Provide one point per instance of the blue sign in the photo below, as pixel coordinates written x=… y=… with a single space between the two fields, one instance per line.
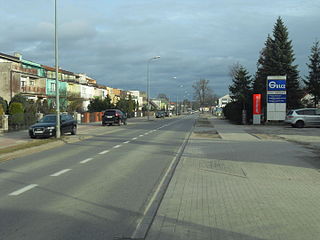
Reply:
x=276 y=85
x=277 y=98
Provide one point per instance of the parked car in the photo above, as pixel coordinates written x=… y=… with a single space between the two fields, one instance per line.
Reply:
x=168 y=114
x=46 y=126
x=303 y=117
x=114 y=116
x=160 y=114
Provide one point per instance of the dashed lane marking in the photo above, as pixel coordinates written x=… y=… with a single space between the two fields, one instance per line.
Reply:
x=126 y=142
x=117 y=146
x=86 y=160
x=60 y=172
x=104 y=152
x=22 y=190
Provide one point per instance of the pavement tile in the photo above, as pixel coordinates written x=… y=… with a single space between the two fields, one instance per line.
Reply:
x=211 y=197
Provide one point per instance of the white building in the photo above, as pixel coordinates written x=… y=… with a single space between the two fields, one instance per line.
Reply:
x=87 y=93
x=136 y=96
x=223 y=101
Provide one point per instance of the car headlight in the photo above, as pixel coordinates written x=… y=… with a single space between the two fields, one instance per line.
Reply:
x=50 y=128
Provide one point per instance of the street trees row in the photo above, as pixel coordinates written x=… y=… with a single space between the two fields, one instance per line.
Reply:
x=128 y=106
x=276 y=59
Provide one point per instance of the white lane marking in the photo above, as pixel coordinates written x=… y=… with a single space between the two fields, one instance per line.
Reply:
x=146 y=133
x=117 y=146
x=126 y=142
x=141 y=135
x=134 y=138
x=104 y=152
x=22 y=190
x=86 y=160
x=60 y=172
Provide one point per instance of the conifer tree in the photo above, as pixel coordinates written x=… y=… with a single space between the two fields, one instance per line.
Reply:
x=277 y=58
x=241 y=87
x=312 y=81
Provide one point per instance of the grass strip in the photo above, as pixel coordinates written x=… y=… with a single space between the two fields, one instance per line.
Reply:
x=26 y=145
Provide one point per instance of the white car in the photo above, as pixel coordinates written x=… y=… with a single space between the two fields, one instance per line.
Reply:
x=303 y=117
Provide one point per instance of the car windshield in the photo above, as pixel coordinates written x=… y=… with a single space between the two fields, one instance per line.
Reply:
x=48 y=119
x=109 y=113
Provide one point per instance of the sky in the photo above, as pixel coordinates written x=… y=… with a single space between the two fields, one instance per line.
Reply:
x=112 y=41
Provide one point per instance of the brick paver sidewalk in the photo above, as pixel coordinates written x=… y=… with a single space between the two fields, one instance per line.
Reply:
x=228 y=189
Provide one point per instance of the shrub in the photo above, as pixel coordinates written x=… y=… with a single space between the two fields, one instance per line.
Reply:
x=4 y=105
x=1 y=110
x=16 y=113
x=233 y=112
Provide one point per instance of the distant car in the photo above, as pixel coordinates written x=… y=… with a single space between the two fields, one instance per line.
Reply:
x=46 y=126
x=160 y=114
x=168 y=114
x=114 y=116
x=303 y=117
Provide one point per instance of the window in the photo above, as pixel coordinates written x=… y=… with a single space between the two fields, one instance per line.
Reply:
x=53 y=87
x=23 y=81
x=31 y=82
x=309 y=112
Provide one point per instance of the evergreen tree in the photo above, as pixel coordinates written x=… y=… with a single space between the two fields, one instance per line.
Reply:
x=241 y=88
x=277 y=58
x=313 y=79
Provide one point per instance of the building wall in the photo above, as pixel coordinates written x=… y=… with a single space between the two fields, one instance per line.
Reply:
x=73 y=90
x=5 y=86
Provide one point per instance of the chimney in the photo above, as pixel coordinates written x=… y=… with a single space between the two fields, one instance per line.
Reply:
x=18 y=55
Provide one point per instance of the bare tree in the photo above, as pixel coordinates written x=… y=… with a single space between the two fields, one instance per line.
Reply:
x=203 y=93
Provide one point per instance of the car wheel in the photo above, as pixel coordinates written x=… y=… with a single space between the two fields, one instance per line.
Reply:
x=103 y=124
x=32 y=136
x=74 y=130
x=299 y=124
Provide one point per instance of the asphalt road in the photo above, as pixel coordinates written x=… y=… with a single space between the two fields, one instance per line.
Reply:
x=93 y=189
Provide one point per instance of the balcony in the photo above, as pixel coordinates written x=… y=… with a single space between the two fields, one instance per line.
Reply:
x=33 y=90
x=27 y=70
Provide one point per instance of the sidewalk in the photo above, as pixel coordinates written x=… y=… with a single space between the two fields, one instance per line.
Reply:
x=221 y=190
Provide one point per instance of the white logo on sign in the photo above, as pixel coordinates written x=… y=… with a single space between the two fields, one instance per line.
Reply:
x=273 y=84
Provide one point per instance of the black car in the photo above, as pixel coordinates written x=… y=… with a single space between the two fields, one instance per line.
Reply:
x=46 y=126
x=114 y=116
x=160 y=114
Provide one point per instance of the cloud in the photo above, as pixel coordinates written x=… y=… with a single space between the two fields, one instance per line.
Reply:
x=112 y=40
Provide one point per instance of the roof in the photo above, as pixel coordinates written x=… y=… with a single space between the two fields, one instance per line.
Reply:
x=52 y=69
x=9 y=57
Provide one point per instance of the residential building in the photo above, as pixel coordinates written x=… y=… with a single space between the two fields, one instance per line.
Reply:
x=63 y=76
x=137 y=97
x=223 y=101
x=20 y=76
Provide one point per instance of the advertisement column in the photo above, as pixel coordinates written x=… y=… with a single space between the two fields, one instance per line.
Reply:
x=276 y=98
x=256 y=109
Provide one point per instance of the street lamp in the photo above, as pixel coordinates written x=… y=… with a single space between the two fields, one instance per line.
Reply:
x=148 y=84
x=58 y=134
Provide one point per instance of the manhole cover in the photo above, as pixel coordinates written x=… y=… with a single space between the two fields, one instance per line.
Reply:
x=223 y=167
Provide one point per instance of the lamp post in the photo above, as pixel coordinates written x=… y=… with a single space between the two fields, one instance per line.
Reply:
x=57 y=71
x=148 y=84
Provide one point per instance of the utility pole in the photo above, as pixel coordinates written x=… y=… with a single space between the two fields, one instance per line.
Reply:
x=58 y=134
x=148 y=85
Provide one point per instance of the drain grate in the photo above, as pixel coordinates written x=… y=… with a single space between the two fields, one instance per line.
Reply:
x=223 y=167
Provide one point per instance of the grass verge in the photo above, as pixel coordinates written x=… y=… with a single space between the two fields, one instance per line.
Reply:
x=26 y=145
